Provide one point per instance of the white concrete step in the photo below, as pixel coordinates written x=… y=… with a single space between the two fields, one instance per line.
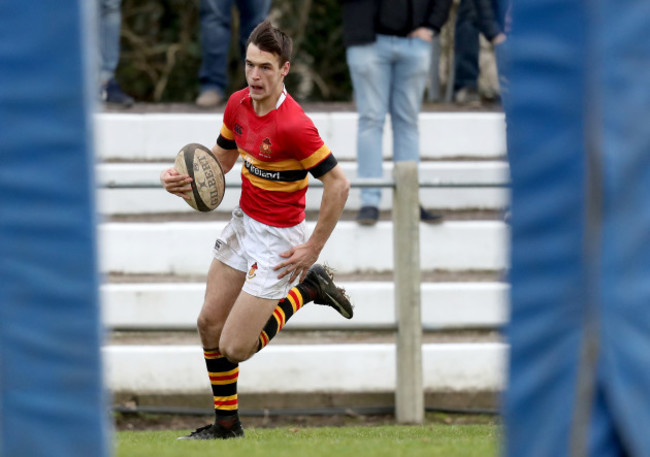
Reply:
x=175 y=306
x=185 y=247
x=121 y=136
x=150 y=201
x=333 y=368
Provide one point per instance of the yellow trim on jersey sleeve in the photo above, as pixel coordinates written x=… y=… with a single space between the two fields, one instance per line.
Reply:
x=226 y=132
x=317 y=157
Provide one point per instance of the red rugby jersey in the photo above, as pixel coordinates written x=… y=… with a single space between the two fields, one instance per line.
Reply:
x=278 y=150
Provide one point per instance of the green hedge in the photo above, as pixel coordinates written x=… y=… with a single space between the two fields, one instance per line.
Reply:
x=161 y=54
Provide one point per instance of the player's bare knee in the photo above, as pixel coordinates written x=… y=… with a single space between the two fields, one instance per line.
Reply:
x=235 y=352
x=207 y=325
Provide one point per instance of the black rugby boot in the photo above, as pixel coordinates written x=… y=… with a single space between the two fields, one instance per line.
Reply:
x=321 y=280
x=222 y=429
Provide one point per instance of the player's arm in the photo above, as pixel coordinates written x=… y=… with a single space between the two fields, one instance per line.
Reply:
x=336 y=188
x=226 y=153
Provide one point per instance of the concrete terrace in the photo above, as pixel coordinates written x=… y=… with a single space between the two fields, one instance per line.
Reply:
x=154 y=252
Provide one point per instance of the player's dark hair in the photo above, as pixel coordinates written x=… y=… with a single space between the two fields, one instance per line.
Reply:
x=271 y=39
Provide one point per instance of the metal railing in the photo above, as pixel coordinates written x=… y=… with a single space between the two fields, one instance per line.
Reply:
x=355 y=183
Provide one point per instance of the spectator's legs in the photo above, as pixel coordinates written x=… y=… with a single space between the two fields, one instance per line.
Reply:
x=110 y=21
x=410 y=70
x=251 y=13
x=215 y=41
x=466 y=49
x=370 y=72
x=412 y=59
x=501 y=56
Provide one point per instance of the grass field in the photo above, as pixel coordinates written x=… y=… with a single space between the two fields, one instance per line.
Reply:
x=435 y=440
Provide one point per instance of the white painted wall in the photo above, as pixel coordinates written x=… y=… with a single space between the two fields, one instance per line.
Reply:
x=161 y=136
x=444 y=305
x=340 y=368
x=185 y=247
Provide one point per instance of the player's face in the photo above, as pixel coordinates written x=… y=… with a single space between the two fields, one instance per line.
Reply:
x=264 y=75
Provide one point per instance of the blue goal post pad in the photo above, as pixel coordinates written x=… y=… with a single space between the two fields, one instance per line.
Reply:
x=579 y=152
x=52 y=400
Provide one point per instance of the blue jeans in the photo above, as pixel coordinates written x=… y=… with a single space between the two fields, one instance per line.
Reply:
x=110 y=21
x=215 y=36
x=389 y=76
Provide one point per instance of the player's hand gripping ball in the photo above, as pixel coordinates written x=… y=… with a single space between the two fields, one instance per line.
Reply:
x=209 y=184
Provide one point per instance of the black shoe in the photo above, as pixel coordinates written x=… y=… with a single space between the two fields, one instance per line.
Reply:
x=368 y=215
x=429 y=218
x=216 y=431
x=112 y=93
x=320 y=279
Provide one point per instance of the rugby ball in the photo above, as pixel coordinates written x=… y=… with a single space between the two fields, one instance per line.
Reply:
x=209 y=184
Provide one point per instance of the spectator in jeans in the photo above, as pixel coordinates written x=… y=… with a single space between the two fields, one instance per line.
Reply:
x=110 y=22
x=389 y=53
x=215 y=40
x=474 y=16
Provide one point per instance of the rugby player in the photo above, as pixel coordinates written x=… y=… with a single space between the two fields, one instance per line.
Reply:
x=264 y=268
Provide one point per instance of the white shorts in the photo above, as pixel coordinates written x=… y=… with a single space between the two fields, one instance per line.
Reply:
x=254 y=248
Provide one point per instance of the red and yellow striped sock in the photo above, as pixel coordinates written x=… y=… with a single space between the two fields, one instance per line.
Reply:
x=286 y=308
x=223 y=378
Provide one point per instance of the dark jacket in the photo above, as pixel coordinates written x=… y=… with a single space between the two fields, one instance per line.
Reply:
x=489 y=19
x=364 y=19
